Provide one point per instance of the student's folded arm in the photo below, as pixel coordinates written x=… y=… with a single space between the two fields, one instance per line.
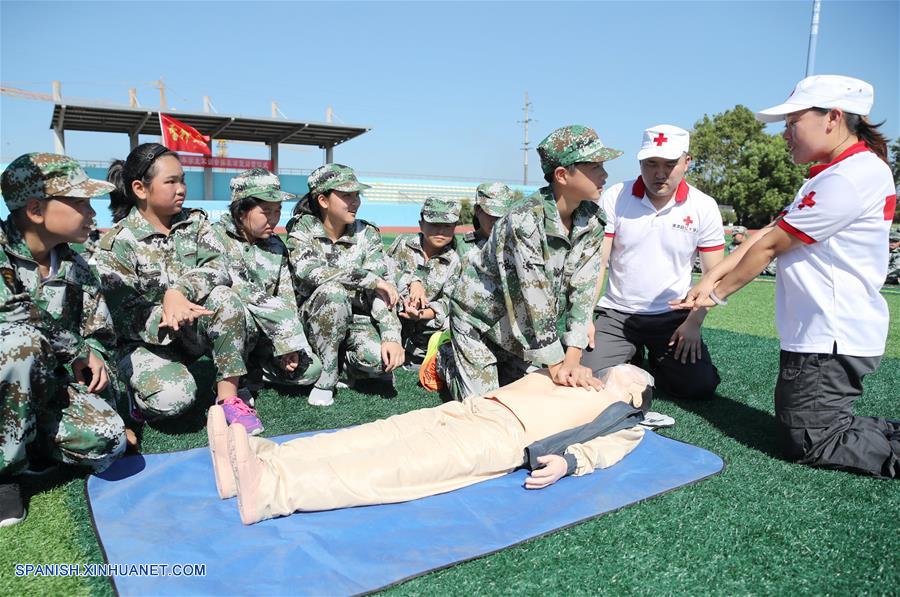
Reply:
x=441 y=304
x=308 y=264
x=211 y=270
x=386 y=321
x=524 y=283
x=16 y=306
x=97 y=324
x=134 y=316
x=603 y=451
x=582 y=292
x=374 y=265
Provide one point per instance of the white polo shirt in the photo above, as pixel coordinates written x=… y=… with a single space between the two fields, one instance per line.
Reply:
x=653 y=250
x=826 y=290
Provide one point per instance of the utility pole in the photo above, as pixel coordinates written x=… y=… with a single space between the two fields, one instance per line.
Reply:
x=162 y=93
x=132 y=98
x=525 y=146
x=813 y=35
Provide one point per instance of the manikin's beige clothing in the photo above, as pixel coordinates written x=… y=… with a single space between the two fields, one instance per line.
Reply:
x=435 y=450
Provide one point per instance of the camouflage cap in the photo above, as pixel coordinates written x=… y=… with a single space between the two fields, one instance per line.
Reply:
x=334 y=177
x=738 y=230
x=440 y=211
x=47 y=175
x=573 y=145
x=895 y=236
x=260 y=184
x=494 y=198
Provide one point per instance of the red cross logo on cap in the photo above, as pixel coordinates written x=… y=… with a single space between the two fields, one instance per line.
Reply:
x=688 y=221
x=807 y=201
x=660 y=139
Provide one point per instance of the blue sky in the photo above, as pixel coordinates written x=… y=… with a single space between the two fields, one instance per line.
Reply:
x=440 y=83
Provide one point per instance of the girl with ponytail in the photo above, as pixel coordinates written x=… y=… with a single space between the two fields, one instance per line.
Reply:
x=168 y=290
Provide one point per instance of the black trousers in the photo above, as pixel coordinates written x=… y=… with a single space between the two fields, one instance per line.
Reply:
x=619 y=336
x=814 y=399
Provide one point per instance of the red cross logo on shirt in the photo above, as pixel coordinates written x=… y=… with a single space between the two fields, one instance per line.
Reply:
x=660 y=139
x=688 y=221
x=807 y=201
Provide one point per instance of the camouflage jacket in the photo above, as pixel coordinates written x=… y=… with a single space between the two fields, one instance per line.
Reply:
x=470 y=240
x=355 y=260
x=438 y=275
x=138 y=263
x=530 y=289
x=68 y=308
x=893 y=270
x=261 y=276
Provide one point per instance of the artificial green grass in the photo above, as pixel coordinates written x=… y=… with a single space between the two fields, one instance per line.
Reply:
x=764 y=526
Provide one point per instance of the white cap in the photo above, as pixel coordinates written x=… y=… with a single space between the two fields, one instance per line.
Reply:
x=824 y=91
x=664 y=141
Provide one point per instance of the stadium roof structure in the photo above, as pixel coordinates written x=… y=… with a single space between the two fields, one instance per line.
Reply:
x=144 y=121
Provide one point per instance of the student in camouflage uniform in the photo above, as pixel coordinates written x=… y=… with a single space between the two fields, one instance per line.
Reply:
x=54 y=327
x=258 y=263
x=894 y=263
x=427 y=268
x=738 y=236
x=528 y=295
x=340 y=276
x=169 y=291
x=492 y=201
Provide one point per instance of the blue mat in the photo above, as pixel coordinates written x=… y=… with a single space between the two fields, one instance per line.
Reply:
x=163 y=509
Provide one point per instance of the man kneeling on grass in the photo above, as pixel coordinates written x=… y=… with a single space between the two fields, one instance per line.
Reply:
x=435 y=450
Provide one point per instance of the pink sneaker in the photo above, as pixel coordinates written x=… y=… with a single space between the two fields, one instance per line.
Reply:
x=237 y=411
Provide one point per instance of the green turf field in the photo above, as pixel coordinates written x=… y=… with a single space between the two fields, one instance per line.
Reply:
x=761 y=527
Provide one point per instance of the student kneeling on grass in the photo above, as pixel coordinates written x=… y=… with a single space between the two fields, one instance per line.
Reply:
x=340 y=276
x=54 y=327
x=536 y=274
x=427 y=267
x=258 y=262
x=435 y=450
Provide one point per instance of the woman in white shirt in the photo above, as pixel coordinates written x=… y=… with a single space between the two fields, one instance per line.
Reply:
x=829 y=241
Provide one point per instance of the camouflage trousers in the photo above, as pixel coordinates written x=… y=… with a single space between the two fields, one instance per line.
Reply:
x=158 y=375
x=41 y=403
x=344 y=340
x=472 y=365
x=415 y=336
x=263 y=365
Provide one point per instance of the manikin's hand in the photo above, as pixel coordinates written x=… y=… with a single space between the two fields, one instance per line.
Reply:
x=554 y=469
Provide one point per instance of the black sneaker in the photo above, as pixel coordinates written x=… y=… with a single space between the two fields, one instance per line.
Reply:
x=12 y=510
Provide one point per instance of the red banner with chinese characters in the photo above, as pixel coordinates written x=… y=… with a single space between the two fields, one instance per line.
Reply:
x=200 y=161
x=178 y=136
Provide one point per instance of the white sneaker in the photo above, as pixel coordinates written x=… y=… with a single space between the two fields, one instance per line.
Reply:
x=321 y=397
x=654 y=420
